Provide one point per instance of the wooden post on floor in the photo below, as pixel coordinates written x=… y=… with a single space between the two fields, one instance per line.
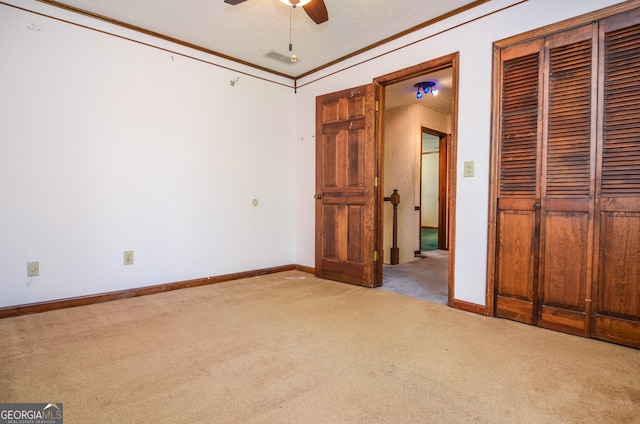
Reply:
x=395 y=251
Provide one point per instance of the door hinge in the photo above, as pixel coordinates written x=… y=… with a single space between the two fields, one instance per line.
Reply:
x=375 y=256
x=375 y=181
x=377 y=105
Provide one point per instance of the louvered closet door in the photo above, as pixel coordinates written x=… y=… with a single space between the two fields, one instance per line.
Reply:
x=617 y=285
x=568 y=215
x=547 y=164
x=567 y=180
x=519 y=194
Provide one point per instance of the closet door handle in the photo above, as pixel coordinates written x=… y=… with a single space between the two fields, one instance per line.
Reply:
x=536 y=206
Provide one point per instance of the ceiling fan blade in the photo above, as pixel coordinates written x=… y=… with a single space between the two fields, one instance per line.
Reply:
x=234 y=2
x=317 y=11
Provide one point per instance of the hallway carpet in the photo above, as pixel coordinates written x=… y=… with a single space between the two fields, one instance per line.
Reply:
x=428 y=239
x=291 y=348
x=425 y=278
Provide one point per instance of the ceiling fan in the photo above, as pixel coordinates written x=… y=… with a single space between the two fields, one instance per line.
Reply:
x=316 y=9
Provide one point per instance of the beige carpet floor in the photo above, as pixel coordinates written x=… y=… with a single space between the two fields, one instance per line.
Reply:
x=290 y=348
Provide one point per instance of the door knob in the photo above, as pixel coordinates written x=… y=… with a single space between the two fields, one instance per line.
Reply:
x=317 y=196
x=536 y=206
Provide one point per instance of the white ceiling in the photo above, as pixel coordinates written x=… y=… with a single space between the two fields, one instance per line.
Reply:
x=250 y=30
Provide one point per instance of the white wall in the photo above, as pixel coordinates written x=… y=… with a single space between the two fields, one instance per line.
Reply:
x=430 y=193
x=473 y=40
x=107 y=145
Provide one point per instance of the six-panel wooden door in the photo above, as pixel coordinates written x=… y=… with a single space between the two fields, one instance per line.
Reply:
x=345 y=189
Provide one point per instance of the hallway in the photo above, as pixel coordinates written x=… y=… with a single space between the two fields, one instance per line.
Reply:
x=425 y=278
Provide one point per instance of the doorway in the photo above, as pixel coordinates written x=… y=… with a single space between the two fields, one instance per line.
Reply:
x=404 y=118
x=434 y=213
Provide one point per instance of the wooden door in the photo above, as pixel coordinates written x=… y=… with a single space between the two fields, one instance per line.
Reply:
x=346 y=187
x=545 y=208
x=518 y=208
x=616 y=290
x=443 y=193
x=567 y=179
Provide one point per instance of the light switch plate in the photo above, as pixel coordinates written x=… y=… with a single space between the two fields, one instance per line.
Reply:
x=128 y=257
x=469 y=170
x=33 y=269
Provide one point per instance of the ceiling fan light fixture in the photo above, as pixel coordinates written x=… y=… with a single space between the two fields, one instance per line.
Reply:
x=296 y=3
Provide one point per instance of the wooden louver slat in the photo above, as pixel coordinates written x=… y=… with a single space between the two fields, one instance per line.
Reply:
x=569 y=130
x=518 y=150
x=621 y=120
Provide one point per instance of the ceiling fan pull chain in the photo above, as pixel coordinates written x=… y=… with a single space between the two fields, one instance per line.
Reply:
x=292 y=14
x=290 y=36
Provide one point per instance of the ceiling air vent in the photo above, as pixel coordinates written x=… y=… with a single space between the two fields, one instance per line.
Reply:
x=279 y=57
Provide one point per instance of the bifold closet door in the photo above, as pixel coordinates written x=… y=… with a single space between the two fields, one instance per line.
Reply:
x=518 y=208
x=617 y=285
x=568 y=212
x=547 y=166
x=567 y=179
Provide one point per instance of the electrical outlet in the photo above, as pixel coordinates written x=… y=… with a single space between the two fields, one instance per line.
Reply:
x=128 y=257
x=33 y=269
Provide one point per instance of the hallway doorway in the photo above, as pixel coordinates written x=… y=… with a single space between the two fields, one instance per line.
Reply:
x=404 y=118
x=434 y=183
